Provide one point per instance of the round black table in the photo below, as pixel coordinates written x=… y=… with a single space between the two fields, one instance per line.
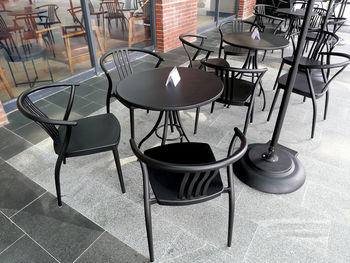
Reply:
x=147 y=90
x=267 y=42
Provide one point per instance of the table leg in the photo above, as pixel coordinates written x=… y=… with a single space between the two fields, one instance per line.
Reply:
x=179 y=127
x=132 y=123
x=155 y=127
x=165 y=130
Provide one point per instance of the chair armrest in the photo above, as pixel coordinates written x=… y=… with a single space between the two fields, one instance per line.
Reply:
x=73 y=34
x=271 y=17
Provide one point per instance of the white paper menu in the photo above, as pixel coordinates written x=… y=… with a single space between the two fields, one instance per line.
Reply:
x=173 y=78
x=255 y=34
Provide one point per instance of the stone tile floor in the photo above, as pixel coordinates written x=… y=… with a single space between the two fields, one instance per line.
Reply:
x=99 y=224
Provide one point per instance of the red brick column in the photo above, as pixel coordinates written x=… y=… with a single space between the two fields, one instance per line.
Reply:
x=246 y=8
x=3 y=116
x=174 y=17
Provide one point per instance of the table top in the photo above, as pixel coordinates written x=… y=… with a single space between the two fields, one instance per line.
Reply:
x=292 y=12
x=147 y=89
x=267 y=41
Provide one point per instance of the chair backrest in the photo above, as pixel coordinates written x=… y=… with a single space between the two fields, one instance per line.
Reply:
x=264 y=9
x=234 y=83
x=119 y=60
x=27 y=107
x=3 y=25
x=193 y=49
x=197 y=178
x=235 y=25
x=113 y=8
x=331 y=69
x=77 y=16
x=324 y=42
x=318 y=19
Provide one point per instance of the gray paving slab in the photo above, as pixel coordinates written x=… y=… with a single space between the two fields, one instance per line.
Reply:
x=25 y=250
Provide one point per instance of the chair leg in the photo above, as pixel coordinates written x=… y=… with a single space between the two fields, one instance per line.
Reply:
x=263 y=56
x=326 y=106
x=273 y=103
x=314 y=106
x=57 y=179
x=119 y=169
x=196 y=120
x=304 y=99
x=231 y=213
x=212 y=107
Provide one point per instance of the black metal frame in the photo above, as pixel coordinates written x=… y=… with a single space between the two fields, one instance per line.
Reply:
x=191 y=192
x=52 y=128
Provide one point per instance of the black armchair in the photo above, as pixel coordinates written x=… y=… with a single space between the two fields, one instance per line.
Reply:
x=185 y=174
x=236 y=25
x=119 y=60
x=237 y=91
x=85 y=136
x=193 y=50
x=313 y=81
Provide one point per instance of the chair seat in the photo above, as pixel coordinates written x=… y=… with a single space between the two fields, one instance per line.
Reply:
x=166 y=184
x=301 y=85
x=239 y=95
x=304 y=61
x=216 y=61
x=236 y=51
x=90 y=135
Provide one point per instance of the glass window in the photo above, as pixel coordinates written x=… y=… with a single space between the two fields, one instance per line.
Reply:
x=124 y=23
x=227 y=8
x=205 y=12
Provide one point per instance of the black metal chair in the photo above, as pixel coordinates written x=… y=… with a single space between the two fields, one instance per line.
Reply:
x=268 y=22
x=236 y=25
x=313 y=81
x=323 y=42
x=237 y=91
x=72 y=138
x=185 y=174
x=193 y=50
x=119 y=60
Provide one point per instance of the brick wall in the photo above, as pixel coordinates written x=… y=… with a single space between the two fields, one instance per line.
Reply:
x=246 y=8
x=3 y=116
x=173 y=18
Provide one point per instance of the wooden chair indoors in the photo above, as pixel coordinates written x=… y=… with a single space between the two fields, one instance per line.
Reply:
x=139 y=24
x=72 y=138
x=73 y=49
x=186 y=174
x=4 y=83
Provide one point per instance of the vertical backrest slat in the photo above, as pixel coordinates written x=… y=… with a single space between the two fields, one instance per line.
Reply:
x=183 y=186
x=193 y=180
x=209 y=180
x=199 y=188
x=49 y=128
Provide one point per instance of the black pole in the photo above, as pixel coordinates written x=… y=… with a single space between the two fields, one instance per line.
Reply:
x=291 y=79
x=271 y=167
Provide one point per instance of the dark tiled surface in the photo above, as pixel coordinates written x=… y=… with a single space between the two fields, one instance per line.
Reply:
x=25 y=250
x=32 y=132
x=16 y=190
x=11 y=144
x=1 y=161
x=89 y=109
x=109 y=249
x=61 y=99
x=98 y=96
x=9 y=233
x=63 y=232
x=18 y=120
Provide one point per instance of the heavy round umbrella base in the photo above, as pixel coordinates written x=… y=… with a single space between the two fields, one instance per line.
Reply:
x=283 y=175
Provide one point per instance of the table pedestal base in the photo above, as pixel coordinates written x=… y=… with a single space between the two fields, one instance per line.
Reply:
x=284 y=174
x=172 y=119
